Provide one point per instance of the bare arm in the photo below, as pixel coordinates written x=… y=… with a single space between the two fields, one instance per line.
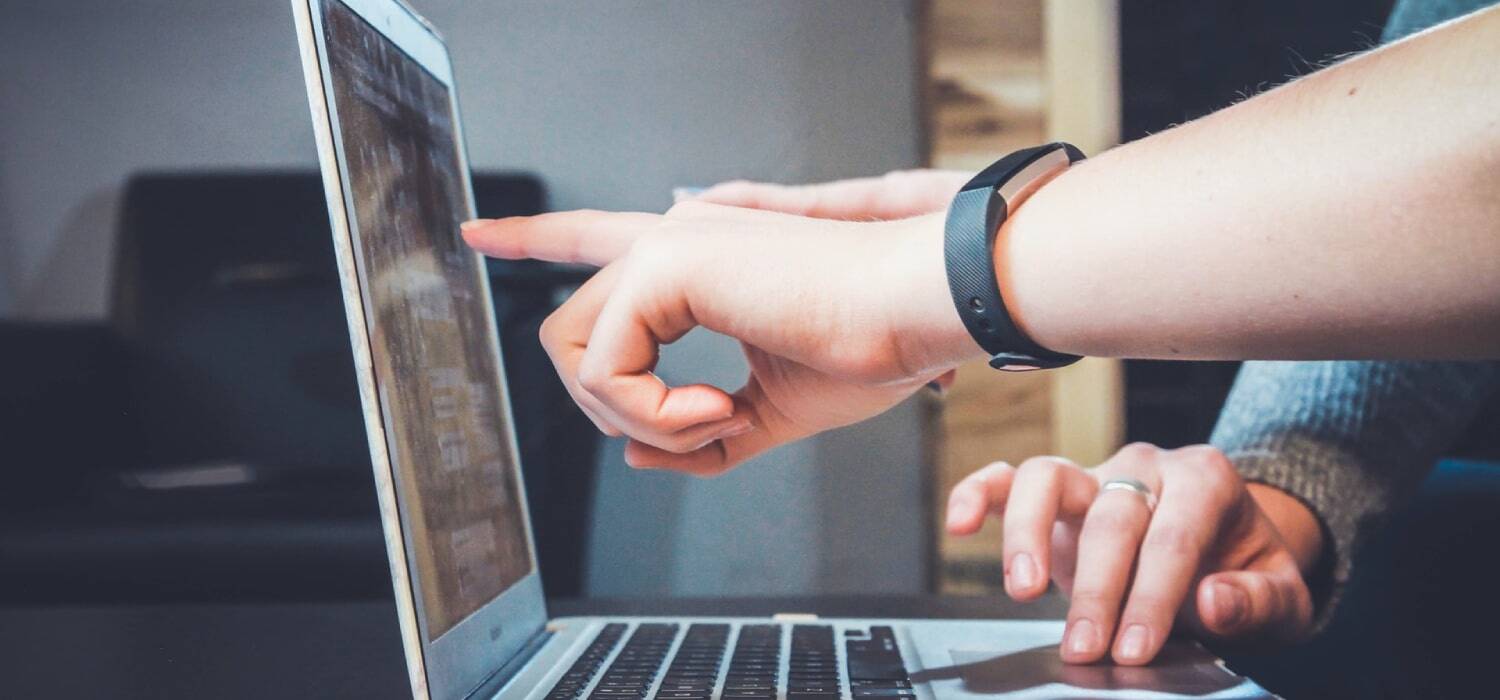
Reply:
x=1354 y=213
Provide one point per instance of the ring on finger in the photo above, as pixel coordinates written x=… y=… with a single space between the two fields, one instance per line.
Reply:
x=1133 y=486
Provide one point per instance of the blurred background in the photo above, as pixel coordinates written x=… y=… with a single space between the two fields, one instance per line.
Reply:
x=176 y=398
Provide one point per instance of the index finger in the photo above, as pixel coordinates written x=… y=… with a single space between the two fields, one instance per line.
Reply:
x=976 y=495
x=588 y=237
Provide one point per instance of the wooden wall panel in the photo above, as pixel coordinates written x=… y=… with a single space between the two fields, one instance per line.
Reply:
x=1003 y=75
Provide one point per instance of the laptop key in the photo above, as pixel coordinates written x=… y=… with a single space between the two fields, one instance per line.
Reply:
x=742 y=680
x=814 y=687
x=570 y=686
x=875 y=660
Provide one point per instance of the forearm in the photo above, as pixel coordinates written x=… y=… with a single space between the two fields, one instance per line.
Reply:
x=1352 y=213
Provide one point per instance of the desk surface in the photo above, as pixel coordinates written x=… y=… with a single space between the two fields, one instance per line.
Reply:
x=321 y=650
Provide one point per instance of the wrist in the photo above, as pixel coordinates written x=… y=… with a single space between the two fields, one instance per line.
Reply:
x=1298 y=525
x=924 y=327
x=1026 y=262
x=975 y=246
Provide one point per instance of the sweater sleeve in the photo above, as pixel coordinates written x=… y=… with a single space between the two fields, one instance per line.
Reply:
x=1351 y=440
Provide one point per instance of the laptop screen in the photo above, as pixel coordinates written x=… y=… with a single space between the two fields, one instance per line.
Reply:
x=429 y=324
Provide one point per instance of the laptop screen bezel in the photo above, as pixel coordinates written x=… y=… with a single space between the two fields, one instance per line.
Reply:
x=463 y=657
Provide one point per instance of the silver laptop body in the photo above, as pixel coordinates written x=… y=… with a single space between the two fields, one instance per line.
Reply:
x=463 y=567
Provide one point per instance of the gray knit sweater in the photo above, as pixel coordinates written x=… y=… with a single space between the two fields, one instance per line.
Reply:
x=1353 y=439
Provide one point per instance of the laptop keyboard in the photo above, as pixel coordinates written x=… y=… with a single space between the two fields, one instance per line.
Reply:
x=871 y=668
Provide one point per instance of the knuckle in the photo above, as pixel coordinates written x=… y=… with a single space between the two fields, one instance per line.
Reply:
x=1090 y=599
x=1212 y=463
x=990 y=471
x=654 y=243
x=1046 y=466
x=963 y=493
x=691 y=208
x=1139 y=451
x=678 y=444
x=972 y=486
x=862 y=362
x=548 y=326
x=1172 y=539
x=592 y=377
x=547 y=332
x=1212 y=475
x=1151 y=609
x=658 y=249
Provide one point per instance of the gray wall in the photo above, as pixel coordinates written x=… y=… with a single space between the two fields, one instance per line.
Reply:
x=612 y=103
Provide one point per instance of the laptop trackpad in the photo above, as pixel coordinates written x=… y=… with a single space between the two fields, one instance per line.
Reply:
x=1179 y=670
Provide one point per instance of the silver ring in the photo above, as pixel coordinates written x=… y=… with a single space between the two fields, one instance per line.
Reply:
x=1133 y=486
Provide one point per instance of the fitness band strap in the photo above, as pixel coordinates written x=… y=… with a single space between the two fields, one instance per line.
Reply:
x=974 y=218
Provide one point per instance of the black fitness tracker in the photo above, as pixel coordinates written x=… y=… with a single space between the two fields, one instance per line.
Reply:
x=974 y=218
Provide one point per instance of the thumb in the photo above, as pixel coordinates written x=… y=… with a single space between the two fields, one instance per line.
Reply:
x=1252 y=605
x=767 y=430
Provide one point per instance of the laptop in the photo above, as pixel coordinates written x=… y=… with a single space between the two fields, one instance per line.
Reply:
x=437 y=413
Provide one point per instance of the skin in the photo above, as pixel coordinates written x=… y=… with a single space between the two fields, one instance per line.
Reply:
x=1224 y=558
x=1368 y=187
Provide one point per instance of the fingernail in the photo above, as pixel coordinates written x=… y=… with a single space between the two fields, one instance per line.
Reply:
x=1133 y=644
x=473 y=224
x=1230 y=603
x=1081 y=638
x=1022 y=572
x=683 y=193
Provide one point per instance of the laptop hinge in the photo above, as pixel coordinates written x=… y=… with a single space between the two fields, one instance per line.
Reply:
x=497 y=680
